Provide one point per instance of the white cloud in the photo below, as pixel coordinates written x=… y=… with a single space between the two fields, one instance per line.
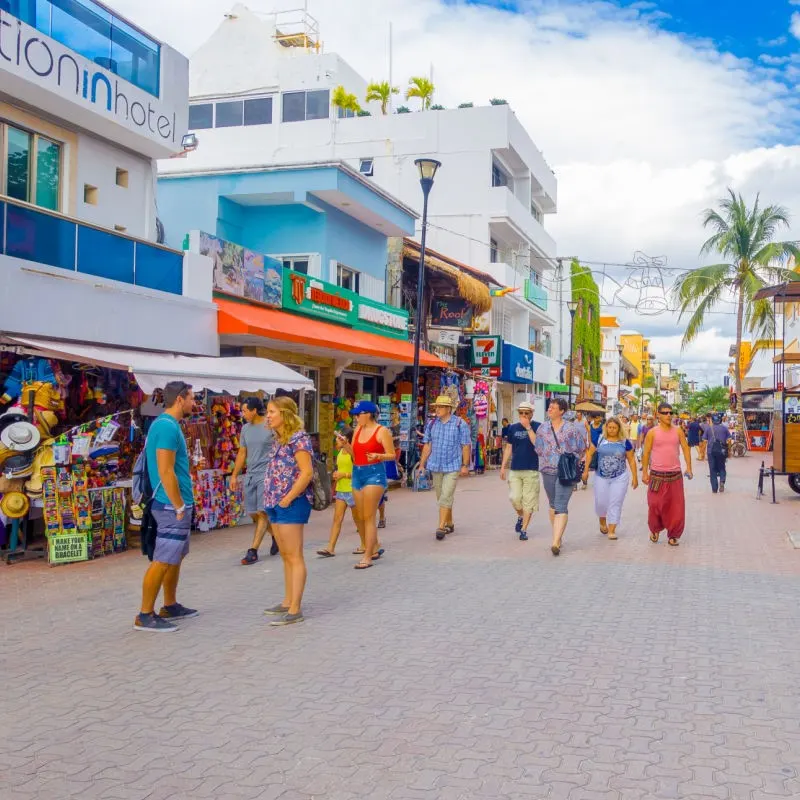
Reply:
x=644 y=128
x=794 y=25
x=705 y=360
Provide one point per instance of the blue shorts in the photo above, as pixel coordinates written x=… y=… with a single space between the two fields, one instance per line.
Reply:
x=371 y=475
x=172 y=538
x=346 y=497
x=298 y=512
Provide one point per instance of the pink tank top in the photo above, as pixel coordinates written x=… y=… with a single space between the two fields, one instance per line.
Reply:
x=665 y=455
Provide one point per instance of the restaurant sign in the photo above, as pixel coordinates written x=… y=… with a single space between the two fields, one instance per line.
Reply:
x=303 y=294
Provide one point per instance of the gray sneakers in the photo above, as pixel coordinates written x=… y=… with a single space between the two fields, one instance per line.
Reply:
x=288 y=619
x=153 y=623
x=276 y=611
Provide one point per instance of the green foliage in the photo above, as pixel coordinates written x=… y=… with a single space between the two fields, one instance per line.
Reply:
x=437 y=107
x=382 y=92
x=422 y=88
x=466 y=105
x=362 y=112
x=709 y=398
x=345 y=100
x=402 y=110
x=587 y=320
x=498 y=101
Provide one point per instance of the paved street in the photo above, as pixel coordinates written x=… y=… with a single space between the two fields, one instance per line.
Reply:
x=479 y=667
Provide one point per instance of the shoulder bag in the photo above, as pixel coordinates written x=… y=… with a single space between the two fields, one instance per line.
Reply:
x=567 y=464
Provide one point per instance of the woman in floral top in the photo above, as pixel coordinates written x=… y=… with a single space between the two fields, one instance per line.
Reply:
x=553 y=438
x=287 y=501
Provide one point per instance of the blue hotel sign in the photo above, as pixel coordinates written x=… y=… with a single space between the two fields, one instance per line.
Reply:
x=517 y=364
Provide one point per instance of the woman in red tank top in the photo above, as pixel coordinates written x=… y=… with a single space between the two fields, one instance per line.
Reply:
x=372 y=446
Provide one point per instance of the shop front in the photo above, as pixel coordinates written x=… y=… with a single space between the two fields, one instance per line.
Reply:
x=758 y=407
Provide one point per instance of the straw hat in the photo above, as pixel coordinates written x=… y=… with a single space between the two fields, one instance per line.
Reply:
x=444 y=400
x=14 y=505
x=21 y=437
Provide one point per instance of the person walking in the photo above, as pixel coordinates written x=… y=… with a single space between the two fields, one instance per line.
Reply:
x=693 y=433
x=661 y=470
x=372 y=446
x=173 y=499
x=705 y=424
x=255 y=442
x=554 y=438
x=343 y=498
x=644 y=428
x=523 y=478
x=717 y=437
x=614 y=456
x=446 y=452
x=634 y=430
x=595 y=432
x=287 y=500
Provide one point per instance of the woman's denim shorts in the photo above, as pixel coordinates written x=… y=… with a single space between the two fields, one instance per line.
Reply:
x=371 y=475
x=298 y=512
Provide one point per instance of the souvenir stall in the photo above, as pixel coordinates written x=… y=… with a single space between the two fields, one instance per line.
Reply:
x=70 y=431
x=758 y=406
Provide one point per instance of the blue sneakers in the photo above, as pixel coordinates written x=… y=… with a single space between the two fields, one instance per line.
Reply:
x=177 y=611
x=518 y=526
x=153 y=623
x=523 y=536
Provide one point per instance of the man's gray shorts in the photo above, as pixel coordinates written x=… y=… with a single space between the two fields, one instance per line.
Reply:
x=172 y=539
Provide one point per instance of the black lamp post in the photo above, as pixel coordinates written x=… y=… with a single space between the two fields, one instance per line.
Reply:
x=427 y=172
x=572 y=305
x=621 y=349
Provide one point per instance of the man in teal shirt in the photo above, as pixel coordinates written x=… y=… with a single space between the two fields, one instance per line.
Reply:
x=168 y=471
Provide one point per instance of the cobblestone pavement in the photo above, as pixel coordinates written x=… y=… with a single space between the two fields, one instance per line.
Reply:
x=478 y=667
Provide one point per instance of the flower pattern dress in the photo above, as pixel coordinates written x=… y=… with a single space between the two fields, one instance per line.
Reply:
x=571 y=439
x=282 y=470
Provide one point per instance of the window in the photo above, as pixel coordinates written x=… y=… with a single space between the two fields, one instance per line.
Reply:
x=31 y=168
x=493 y=251
x=367 y=167
x=201 y=117
x=299 y=106
x=347 y=278
x=230 y=115
x=258 y=111
x=535 y=213
x=499 y=176
x=344 y=113
x=90 y=194
x=122 y=177
x=297 y=264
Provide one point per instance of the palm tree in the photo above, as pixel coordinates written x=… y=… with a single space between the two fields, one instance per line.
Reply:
x=743 y=237
x=345 y=100
x=381 y=92
x=711 y=398
x=423 y=89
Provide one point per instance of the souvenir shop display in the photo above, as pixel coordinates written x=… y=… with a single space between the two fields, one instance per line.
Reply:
x=216 y=504
x=385 y=411
x=226 y=427
x=405 y=421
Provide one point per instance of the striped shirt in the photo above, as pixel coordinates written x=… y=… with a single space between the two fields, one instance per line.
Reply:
x=446 y=440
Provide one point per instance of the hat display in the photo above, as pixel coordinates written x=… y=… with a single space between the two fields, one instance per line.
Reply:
x=444 y=401
x=21 y=437
x=14 y=505
x=525 y=406
x=364 y=407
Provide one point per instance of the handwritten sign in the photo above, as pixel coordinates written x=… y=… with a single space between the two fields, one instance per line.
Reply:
x=451 y=312
x=68 y=548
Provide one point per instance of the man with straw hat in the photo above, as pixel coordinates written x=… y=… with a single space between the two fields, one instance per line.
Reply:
x=446 y=452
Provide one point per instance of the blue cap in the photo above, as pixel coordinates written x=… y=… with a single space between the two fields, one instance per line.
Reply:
x=364 y=407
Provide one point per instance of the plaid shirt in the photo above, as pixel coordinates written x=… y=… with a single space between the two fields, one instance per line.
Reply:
x=446 y=440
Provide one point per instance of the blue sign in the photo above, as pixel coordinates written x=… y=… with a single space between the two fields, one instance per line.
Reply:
x=517 y=364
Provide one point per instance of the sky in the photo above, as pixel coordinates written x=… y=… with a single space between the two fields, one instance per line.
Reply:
x=646 y=111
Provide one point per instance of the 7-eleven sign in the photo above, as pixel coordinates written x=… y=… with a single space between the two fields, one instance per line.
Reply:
x=486 y=351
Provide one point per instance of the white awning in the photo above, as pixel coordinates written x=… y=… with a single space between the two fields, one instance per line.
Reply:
x=154 y=370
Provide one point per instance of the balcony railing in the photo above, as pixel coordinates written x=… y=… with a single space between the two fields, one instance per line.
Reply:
x=536 y=294
x=94 y=32
x=34 y=234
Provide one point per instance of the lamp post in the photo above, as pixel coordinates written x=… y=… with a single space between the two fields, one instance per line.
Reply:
x=621 y=349
x=427 y=172
x=572 y=306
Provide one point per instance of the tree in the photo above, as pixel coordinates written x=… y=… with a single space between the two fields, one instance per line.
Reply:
x=402 y=110
x=423 y=89
x=345 y=100
x=437 y=107
x=744 y=238
x=498 y=101
x=381 y=92
x=708 y=399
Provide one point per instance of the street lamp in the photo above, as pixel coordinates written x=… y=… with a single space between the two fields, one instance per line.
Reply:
x=572 y=306
x=427 y=172
x=621 y=349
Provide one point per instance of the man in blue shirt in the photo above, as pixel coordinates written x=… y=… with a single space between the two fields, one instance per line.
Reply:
x=523 y=479
x=446 y=452
x=716 y=436
x=168 y=471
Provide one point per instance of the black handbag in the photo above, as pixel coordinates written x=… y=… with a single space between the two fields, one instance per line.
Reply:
x=568 y=474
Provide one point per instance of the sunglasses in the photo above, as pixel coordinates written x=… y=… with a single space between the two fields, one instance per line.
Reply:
x=668 y=413
x=525 y=413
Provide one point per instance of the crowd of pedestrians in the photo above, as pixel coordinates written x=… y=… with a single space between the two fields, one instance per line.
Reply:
x=275 y=469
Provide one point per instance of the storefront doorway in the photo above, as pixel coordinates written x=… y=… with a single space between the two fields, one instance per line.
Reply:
x=308 y=401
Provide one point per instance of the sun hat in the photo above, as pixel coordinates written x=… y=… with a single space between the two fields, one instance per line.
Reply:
x=14 y=505
x=525 y=406
x=20 y=437
x=364 y=407
x=443 y=400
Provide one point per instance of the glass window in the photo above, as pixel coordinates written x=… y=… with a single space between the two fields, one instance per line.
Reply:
x=18 y=165
x=294 y=106
x=347 y=278
x=493 y=251
x=48 y=173
x=318 y=104
x=296 y=264
x=84 y=28
x=201 y=117
x=229 y=115
x=258 y=111
x=135 y=57
x=499 y=176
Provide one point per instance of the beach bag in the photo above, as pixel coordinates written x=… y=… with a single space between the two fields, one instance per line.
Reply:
x=321 y=486
x=568 y=469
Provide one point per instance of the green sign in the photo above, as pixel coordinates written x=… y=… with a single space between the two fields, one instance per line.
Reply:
x=68 y=547
x=486 y=351
x=303 y=294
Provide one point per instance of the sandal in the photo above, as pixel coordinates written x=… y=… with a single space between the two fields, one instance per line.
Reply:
x=382 y=523
x=325 y=553
x=377 y=555
x=673 y=542
x=654 y=537
x=612 y=537
x=604 y=531
x=359 y=551
x=362 y=565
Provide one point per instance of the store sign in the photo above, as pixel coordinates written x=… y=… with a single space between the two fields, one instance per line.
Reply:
x=486 y=351
x=451 y=312
x=486 y=372
x=66 y=548
x=303 y=294
x=517 y=364
x=448 y=337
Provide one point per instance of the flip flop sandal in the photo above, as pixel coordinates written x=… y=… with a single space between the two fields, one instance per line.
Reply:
x=673 y=542
x=604 y=531
x=377 y=555
x=362 y=565
x=325 y=553
x=382 y=523
x=612 y=537
x=358 y=552
x=654 y=537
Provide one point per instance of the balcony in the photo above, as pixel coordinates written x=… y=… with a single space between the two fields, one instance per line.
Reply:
x=34 y=234
x=536 y=294
x=512 y=220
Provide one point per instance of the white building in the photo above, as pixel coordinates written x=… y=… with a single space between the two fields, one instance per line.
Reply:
x=261 y=95
x=85 y=111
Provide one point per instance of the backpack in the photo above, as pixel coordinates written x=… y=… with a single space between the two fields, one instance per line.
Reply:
x=718 y=448
x=143 y=494
x=321 y=486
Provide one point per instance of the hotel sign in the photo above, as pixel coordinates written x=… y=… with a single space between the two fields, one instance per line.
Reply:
x=303 y=294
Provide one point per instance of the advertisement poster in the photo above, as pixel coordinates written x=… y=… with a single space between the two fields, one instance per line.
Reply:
x=273 y=282
x=253 y=275
x=228 y=263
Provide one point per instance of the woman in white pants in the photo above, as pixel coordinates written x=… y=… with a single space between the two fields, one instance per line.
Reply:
x=615 y=455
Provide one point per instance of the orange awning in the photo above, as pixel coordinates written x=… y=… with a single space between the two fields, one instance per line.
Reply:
x=246 y=319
